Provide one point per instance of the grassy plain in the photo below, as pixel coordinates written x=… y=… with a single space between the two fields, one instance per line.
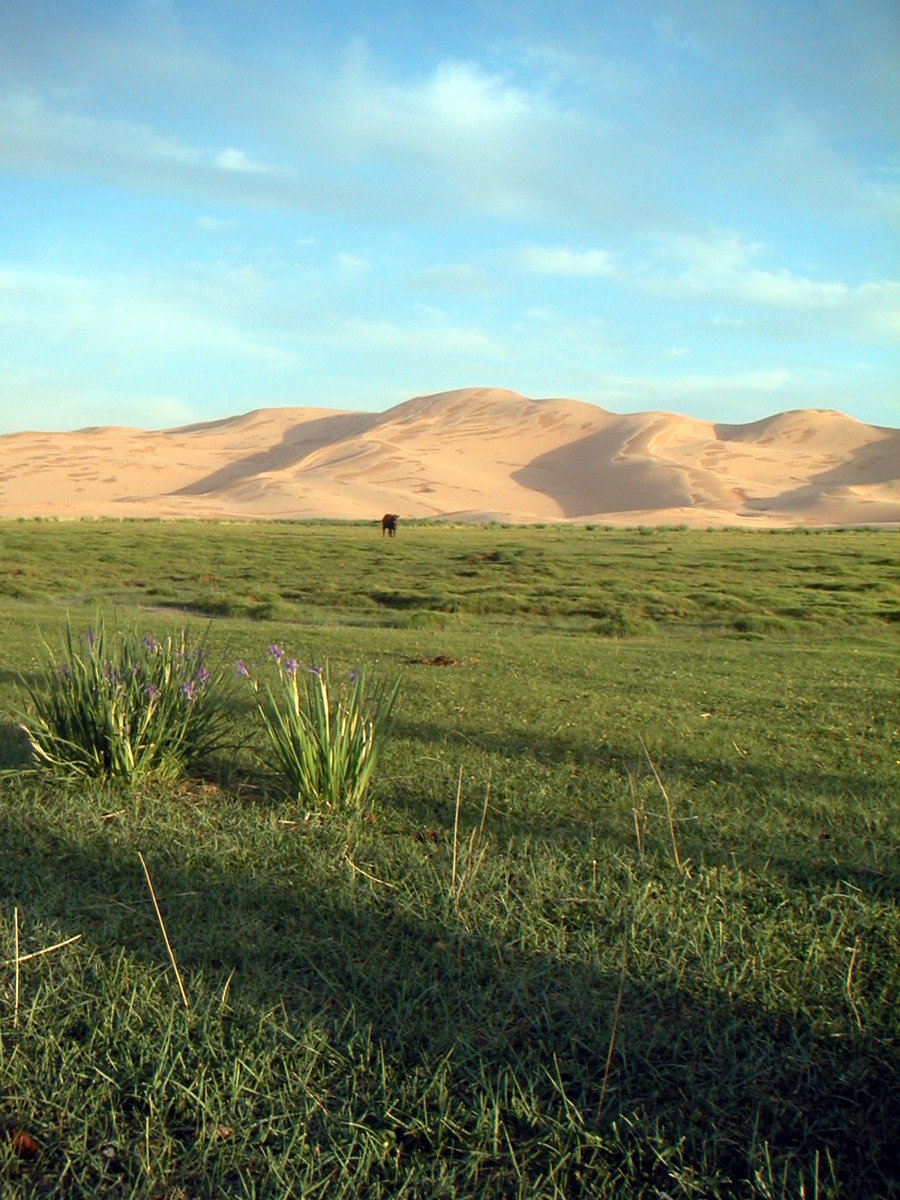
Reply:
x=572 y=996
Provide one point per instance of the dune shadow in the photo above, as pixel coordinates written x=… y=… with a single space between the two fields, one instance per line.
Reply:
x=297 y=444
x=589 y=476
x=866 y=466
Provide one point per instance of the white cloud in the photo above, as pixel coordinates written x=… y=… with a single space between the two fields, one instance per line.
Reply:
x=150 y=315
x=746 y=395
x=351 y=264
x=431 y=338
x=715 y=252
x=749 y=393
x=214 y=224
x=236 y=160
x=460 y=95
x=459 y=279
x=460 y=138
x=718 y=270
x=36 y=398
x=429 y=116
x=349 y=140
x=559 y=260
x=584 y=340
x=34 y=136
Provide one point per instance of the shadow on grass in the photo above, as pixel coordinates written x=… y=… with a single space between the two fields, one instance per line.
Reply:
x=14 y=750
x=724 y=1077
x=550 y=748
x=815 y=856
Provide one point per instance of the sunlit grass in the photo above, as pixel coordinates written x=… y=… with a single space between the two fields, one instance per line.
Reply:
x=527 y=994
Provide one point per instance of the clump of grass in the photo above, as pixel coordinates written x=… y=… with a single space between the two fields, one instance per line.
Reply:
x=124 y=707
x=619 y=622
x=326 y=736
x=756 y=623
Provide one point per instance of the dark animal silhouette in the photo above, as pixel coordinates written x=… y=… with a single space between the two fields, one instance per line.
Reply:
x=389 y=524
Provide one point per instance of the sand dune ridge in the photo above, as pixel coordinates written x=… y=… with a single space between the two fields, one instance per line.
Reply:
x=467 y=454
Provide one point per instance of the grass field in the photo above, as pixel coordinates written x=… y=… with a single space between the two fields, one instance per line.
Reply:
x=655 y=956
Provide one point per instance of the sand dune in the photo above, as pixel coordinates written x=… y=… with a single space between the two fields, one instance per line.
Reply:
x=474 y=454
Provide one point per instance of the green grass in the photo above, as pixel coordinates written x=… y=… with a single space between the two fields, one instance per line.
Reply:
x=391 y=1004
x=574 y=577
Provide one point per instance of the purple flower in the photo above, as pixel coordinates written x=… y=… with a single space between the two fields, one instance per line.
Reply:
x=242 y=669
x=151 y=691
x=151 y=644
x=276 y=652
x=317 y=671
x=189 y=690
x=291 y=665
x=92 y=638
x=202 y=675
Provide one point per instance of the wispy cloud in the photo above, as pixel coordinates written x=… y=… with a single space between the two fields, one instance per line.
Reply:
x=138 y=314
x=236 y=160
x=53 y=400
x=720 y=269
x=457 y=279
x=550 y=182
x=351 y=264
x=560 y=260
x=432 y=337
x=36 y=136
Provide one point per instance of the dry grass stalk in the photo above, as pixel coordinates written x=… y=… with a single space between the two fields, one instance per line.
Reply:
x=668 y=804
x=637 y=816
x=365 y=874
x=476 y=851
x=615 y=1024
x=226 y=988
x=47 y=950
x=456 y=834
x=487 y=800
x=162 y=926
x=850 y=971
x=16 y=953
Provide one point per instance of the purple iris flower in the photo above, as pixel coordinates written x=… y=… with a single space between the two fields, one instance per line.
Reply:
x=202 y=675
x=151 y=644
x=276 y=652
x=189 y=690
x=151 y=691
x=242 y=669
x=92 y=638
x=317 y=671
x=291 y=665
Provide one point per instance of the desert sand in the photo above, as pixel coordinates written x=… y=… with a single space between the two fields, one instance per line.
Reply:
x=476 y=454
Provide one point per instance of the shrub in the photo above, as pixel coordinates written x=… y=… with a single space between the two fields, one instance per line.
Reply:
x=327 y=737
x=124 y=707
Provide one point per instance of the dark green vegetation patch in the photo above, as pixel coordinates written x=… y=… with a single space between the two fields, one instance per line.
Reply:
x=660 y=961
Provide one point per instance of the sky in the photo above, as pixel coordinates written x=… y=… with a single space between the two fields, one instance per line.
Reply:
x=213 y=206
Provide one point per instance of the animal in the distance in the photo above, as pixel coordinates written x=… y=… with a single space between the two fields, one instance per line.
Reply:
x=389 y=524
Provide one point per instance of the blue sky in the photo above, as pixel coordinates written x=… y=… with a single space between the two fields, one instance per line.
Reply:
x=210 y=206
